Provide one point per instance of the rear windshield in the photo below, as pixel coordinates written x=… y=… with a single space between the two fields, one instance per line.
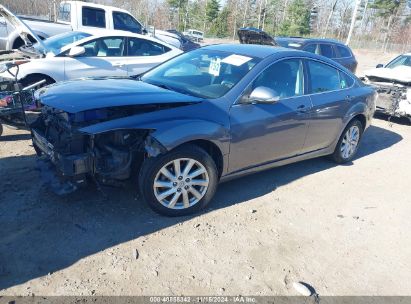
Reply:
x=94 y=17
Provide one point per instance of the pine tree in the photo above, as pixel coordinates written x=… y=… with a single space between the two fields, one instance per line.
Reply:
x=212 y=9
x=297 y=21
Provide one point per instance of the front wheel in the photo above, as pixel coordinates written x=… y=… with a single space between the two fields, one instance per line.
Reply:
x=348 y=143
x=180 y=182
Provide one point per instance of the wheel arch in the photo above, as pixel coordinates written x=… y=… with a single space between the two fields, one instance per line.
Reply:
x=38 y=75
x=212 y=149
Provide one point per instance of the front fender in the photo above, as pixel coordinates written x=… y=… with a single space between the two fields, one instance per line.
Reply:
x=177 y=132
x=170 y=133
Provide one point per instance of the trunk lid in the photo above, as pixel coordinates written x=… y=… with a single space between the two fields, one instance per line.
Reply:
x=251 y=35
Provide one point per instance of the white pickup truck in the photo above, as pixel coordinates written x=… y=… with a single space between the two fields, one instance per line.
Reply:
x=78 y=15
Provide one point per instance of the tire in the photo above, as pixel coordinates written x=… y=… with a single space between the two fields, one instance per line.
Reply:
x=31 y=79
x=340 y=154
x=1 y=129
x=186 y=202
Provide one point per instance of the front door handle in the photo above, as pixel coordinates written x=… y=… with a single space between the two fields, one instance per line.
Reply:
x=118 y=65
x=302 y=109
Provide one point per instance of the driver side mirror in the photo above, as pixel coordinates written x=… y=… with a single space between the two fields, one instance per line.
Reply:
x=76 y=51
x=380 y=65
x=263 y=95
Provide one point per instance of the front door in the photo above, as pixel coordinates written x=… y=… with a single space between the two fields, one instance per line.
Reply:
x=262 y=133
x=103 y=57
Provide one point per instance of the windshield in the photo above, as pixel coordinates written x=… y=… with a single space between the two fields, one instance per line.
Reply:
x=56 y=43
x=400 y=60
x=202 y=73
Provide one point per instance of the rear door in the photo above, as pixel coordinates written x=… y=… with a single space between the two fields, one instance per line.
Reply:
x=143 y=54
x=332 y=95
x=103 y=57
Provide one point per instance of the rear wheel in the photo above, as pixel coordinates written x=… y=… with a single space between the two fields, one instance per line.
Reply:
x=180 y=182
x=348 y=143
x=1 y=129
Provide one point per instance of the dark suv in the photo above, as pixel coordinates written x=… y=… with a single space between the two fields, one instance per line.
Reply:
x=332 y=49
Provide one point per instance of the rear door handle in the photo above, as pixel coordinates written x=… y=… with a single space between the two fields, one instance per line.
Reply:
x=349 y=98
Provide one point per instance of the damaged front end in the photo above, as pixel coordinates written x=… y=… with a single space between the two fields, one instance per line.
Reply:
x=69 y=157
x=394 y=97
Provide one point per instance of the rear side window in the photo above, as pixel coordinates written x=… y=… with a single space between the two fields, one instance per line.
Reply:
x=345 y=81
x=142 y=47
x=65 y=12
x=94 y=17
x=327 y=50
x=344 y=52
x=125 y=22
x=323 y=78
x=312 y=48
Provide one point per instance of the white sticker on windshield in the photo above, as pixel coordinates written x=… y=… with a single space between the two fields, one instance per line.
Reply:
x=215 y=65
x=236 y=60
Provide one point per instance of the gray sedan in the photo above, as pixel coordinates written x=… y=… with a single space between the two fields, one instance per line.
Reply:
x=206 y=116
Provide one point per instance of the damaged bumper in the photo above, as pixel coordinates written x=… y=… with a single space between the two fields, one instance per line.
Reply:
x=69 y=157
x=62 y=174
x=71 y=165
x=393 y=99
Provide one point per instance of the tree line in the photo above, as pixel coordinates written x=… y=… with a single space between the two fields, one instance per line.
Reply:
x=376 y=20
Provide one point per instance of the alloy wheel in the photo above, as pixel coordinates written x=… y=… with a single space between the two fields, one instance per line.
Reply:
x=181 y=183
x=350 y=142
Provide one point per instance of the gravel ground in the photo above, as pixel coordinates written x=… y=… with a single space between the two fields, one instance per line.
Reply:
x=342 y=229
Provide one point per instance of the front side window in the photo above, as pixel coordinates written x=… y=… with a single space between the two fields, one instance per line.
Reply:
x=143 y=47
x=202 y=73
x=327 y=50
x=94 y=17
x=324 y=78
x=400 y=60
x=104 y=47
x=126 y=22
x=285 y=78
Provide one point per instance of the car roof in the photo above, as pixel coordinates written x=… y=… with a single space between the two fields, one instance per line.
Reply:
x=302 y=40
x=251 y=50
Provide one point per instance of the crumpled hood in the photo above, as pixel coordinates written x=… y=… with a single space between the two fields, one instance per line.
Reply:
x=87 y=94
x=400 y=73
